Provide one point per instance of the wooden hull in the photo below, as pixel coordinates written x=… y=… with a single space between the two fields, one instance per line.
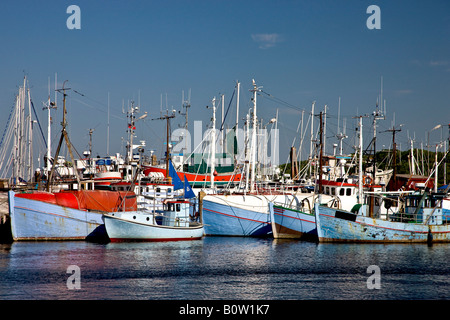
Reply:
x=120 y=228
x=200 y=179
x=236 y=215
x=343 y=226
x=39 y=220
x=292 y=224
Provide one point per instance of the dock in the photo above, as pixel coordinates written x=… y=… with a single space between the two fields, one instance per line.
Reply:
x=5 y=227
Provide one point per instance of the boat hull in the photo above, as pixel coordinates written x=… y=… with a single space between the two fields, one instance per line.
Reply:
x=292 y=224
x=200 y=180
x=342 y=226
x=120 y=229
x=236 y=215
x=38 y=220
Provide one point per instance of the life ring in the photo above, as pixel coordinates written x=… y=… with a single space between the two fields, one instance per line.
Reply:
x=367 y=180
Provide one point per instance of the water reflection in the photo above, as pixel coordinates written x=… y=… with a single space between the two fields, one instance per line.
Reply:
x=223 y=268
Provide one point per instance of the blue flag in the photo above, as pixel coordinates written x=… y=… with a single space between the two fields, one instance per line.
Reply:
x=188 y=193
x=176 y=181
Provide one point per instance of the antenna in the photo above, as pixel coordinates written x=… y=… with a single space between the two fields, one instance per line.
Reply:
x=339 y=112
x=167 y=117
x=186 y=104
x=341 y=135
x=64 y=136
x=107 y=131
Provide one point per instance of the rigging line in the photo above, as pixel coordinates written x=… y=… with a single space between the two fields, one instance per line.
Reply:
x=98 y=109
x=39 y=123
x=7 y=124
x=287 y=104
x=228 y=109
x=83 y=95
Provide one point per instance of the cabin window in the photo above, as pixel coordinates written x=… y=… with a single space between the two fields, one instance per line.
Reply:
x=327 y=190
x=433 y=202
x=349 y=191
x=411 y=202
x=333 y=191
x=178 y=207
x=342 y=191
x=158 y=189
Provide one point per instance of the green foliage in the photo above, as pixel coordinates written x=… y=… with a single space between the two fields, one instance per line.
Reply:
x=385 y=161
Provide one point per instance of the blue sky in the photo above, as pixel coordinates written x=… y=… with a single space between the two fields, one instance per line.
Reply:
x=299 y=51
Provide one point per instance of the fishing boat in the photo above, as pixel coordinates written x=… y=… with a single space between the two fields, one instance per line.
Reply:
x=237 y=214
x=64 y=215
x=422 y=219
x=193 y=166
x=296 y=220
x=244 y=211
x=200 y=179
x=175 y=222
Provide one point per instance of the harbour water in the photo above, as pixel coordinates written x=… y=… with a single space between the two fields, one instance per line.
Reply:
x=223 y=268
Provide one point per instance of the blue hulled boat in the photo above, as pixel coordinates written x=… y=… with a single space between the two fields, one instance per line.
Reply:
x=423 y=219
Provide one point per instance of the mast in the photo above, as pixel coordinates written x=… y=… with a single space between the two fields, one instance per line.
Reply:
x=436 y=168
x=50 y=105
x=325 y=128
x=49 y=130
x=107 y=131
x=167 y=148
x=30 y=139
x=166 y=117
x=16 y=140
x=412 y=163
x=213 y=144
x=341 y=135
x=312 y=137
x=360 y=165
x=222 y=141
x=65 y=136
x=253 y=154
x=91 y=131
x=360 y=178
x=377 y=115
x=247 y=155
x=321 y=153
x=394 y=147
x=22 y=129
x=446 y=146
x=238 y=85
x=131 y=128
